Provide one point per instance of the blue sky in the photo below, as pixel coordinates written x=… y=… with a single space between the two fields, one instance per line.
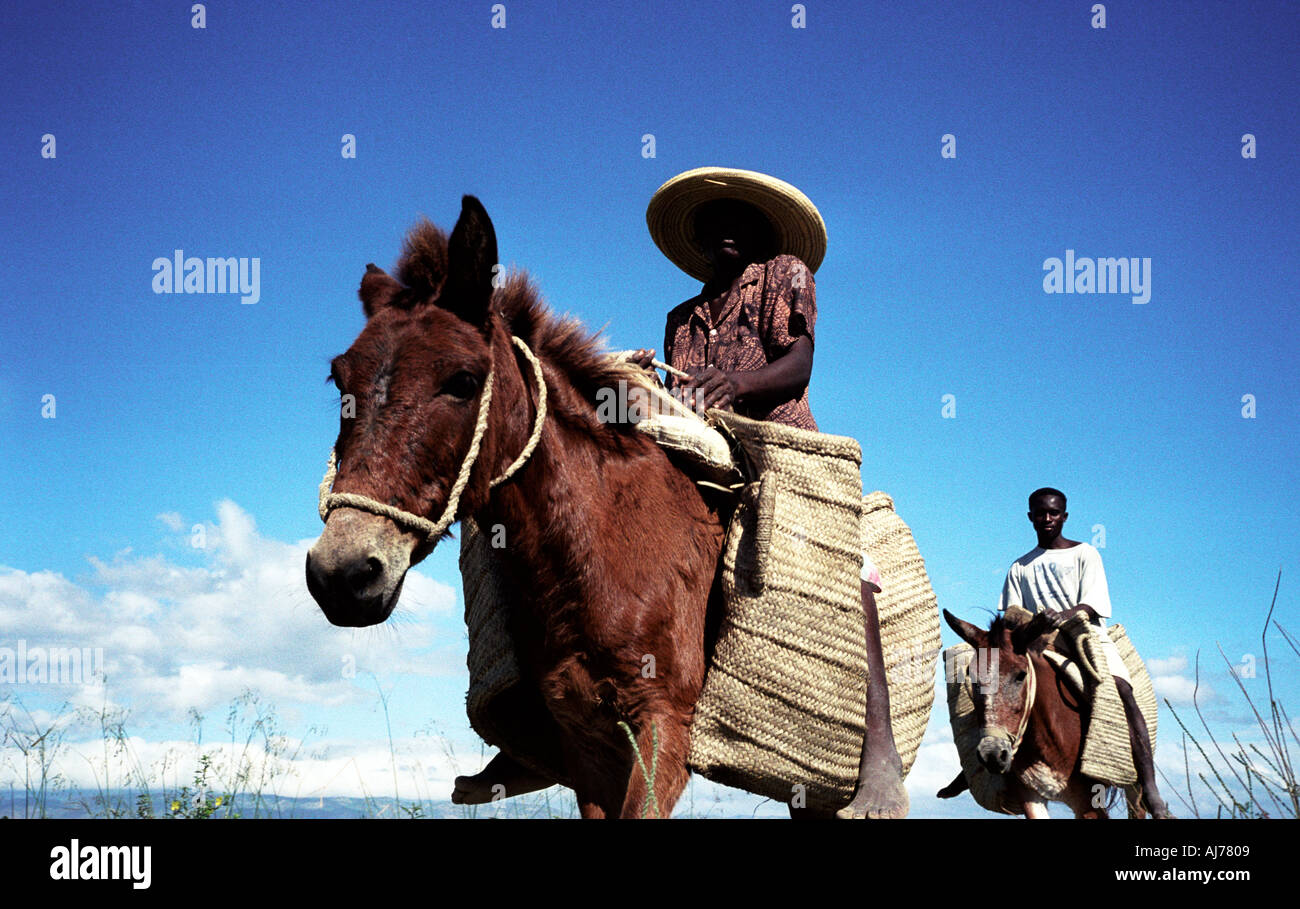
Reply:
x=181 y=410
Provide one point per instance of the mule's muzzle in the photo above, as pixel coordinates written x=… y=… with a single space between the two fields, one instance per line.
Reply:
x=995 y=753
x=356 y=569
x=352 y=595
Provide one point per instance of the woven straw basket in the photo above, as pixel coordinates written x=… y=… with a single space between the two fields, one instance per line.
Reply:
x=492 y=664
x=909 y=622
x=504 y=712
x=783 y=707
x=989 y=789
x=1107 y=753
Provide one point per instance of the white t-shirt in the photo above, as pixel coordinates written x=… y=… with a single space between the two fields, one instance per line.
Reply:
x=1057 y=579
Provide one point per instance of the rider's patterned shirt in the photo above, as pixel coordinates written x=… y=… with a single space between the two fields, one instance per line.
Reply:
x=762 y=315
x=768 y=307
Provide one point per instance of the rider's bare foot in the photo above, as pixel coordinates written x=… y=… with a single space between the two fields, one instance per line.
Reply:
x=1159 y=810
x=880 y=794
x=501 y=778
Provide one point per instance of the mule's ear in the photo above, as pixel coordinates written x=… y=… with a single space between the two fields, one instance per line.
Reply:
x=471 y=258
x=965 y=630
x=378 y=289
x=1030 y=636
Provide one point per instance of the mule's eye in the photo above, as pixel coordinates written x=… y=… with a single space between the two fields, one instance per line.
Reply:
x=462 y=385
x=1020 y=676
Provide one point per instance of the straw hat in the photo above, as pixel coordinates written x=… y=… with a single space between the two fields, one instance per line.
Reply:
x=799 y=228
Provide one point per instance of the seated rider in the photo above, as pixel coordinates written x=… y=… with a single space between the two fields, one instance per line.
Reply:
x=746 y=341
x=1064 y=577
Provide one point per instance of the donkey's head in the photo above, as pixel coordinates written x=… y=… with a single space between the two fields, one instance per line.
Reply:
x=410 y=385
x=1003 y=679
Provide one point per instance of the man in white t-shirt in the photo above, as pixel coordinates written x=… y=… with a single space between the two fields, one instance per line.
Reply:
x=1064 y=577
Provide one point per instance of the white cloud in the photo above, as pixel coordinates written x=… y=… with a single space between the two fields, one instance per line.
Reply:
x=936 y=761
x=176 y=637
x=1173 y=665
x=172 y=521
x=1170 y=679
x=1179 y=689
x=290 y=767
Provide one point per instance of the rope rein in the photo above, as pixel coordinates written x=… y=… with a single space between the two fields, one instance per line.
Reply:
x=432 y=529
x=536 y=435
x=671 y=370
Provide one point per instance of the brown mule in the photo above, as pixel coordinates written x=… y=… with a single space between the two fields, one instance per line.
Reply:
x=1032 y=724
x=613 y=548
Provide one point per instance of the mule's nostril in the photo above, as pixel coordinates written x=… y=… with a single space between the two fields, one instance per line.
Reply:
x=363 y=575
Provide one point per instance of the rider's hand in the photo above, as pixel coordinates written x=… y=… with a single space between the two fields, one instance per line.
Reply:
x=709 y=388
x=642 y=357
x=1060 y=618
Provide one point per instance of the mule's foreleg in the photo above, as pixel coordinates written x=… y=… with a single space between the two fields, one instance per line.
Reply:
x=659 y=758
x=1137 y=808
x=1036 y=809
x=1087 y=798
x=590 y=810
x=599 y=777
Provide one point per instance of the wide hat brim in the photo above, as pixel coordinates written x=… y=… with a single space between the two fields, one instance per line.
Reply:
x=800 y=230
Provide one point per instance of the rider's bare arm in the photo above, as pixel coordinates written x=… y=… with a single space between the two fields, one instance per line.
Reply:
x=783 y=378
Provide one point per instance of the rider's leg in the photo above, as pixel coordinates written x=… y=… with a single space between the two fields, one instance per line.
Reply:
x=503 y=777
x=880 y=791
x=1140 y=740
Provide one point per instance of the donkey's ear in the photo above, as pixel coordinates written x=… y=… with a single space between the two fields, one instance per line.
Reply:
x=378 y=289
x=471 y=258
x=976 y=637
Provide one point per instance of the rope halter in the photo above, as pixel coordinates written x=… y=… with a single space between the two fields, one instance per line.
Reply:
x=1031 y=682
x=431 y=530
x=1031 y=693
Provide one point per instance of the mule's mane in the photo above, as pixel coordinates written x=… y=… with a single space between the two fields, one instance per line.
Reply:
x=1022 y=626
x=562 y=341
